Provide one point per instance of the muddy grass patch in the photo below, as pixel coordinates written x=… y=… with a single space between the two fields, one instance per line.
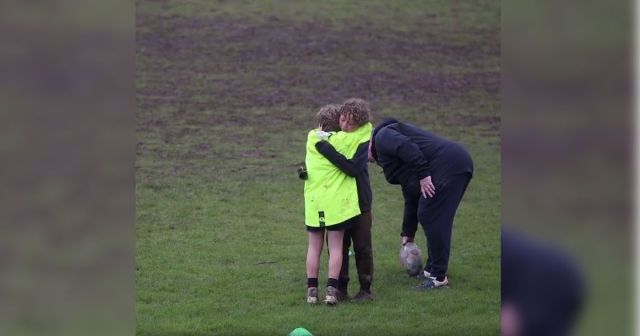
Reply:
x=234 y=63
x=222 y=92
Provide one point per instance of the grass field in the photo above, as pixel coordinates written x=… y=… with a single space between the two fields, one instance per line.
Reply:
x=226 y=92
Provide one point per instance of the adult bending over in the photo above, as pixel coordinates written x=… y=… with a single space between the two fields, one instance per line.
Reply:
x=433 y=173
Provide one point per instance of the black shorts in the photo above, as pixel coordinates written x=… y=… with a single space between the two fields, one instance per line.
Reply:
x=346 y=225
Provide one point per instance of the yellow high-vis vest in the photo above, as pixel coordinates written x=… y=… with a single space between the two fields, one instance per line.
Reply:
x=331 y=196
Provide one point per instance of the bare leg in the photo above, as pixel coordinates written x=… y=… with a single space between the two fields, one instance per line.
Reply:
x=316 y=241
x=335 y=252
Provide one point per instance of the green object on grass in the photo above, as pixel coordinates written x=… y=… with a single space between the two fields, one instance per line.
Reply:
x=300 y=332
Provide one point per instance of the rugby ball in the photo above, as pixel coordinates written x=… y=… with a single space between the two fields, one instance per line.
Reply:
x=411 y=259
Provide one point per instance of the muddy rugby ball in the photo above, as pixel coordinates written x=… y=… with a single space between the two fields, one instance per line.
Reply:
x=411 y=259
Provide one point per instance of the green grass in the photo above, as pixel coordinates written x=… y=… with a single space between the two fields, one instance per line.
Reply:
x=226 y=95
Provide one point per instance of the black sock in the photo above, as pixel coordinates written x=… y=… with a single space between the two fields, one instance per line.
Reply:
x=440 y=278
x=332 y=282
x=312 y=282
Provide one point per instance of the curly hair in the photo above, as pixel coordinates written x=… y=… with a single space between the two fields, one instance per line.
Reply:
x=357 y=110
x=328 y=118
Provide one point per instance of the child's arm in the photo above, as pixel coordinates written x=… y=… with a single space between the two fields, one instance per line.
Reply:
x=353 y=167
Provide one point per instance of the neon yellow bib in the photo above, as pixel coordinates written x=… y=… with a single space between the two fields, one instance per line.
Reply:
x=330 y=196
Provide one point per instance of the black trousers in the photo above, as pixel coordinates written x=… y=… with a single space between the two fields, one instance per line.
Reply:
x=436 y=217
x=360 y=234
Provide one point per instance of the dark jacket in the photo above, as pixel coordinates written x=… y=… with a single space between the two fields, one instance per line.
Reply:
x=356 y=167
x=407 y=154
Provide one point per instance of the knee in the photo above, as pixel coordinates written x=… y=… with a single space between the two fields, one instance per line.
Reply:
x=423 y=216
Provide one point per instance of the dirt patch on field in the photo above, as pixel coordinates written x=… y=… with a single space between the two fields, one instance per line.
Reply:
x=271 y=74
x=238 y=64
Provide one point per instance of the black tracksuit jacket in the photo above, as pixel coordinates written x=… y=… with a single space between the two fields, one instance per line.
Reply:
x=407 y=154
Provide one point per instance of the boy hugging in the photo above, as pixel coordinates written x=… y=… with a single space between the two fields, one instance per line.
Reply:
x=337 y=196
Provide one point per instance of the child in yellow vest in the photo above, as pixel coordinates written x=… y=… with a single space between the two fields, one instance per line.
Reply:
x=331 y=199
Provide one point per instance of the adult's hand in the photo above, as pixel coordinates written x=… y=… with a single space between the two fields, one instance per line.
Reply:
x=427 y=187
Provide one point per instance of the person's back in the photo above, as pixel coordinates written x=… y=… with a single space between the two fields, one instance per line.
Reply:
x=331 y=196
x=444 y=157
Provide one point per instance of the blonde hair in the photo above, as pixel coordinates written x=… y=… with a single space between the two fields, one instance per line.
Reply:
x=357 y=110
x=328 y=118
